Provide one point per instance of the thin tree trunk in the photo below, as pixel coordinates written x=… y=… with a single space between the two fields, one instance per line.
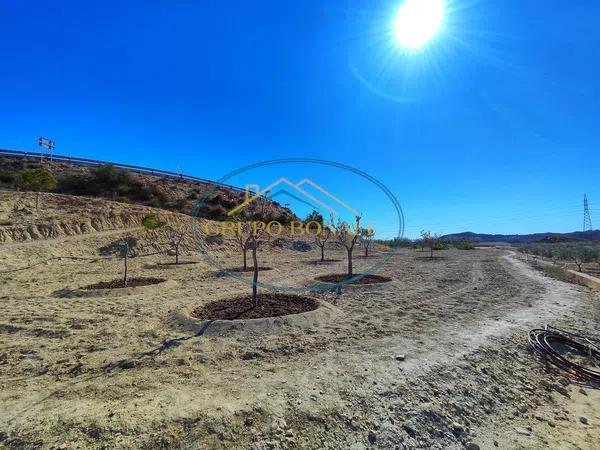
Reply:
x=245 y=259
x=431 y=252
x=349 y=263
x=255 y=279
x=125 y=261
x=322 y=253
x=366 y=251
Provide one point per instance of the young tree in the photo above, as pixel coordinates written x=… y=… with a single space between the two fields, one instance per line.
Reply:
x=366 y=237
x=36 y=180
x=176 y=233
x=579 y=254
x=322 y=238
x=432 y=242
x=242 y=231
x=347 y=238
x=257 y=235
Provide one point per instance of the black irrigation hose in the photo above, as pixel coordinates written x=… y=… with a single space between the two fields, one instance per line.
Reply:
x=546 y=341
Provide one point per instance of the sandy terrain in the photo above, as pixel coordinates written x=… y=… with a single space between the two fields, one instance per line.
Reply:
x=113 y=371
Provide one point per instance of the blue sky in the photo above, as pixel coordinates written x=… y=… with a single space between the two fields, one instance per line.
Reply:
x=491 y=128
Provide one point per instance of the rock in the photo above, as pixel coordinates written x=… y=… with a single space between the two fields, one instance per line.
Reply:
x=130 y=364
x=201 y=359
x=496 y=444
x=583 y=391
x=301 y=246
x=471 y=446
x=250 y=355
x=523 y=431
x=583 y=420
x=372 y=437
x=248 y=422
x=457 y=429
x=408 y=427
x=179 y=362
x=400 y=357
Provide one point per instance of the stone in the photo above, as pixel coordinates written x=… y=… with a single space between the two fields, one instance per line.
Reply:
x=372 y=437
x=583 y=420
x=301 y=246
x=523 y=431
x=247 y=356
x=471 y=446
x=400 y=357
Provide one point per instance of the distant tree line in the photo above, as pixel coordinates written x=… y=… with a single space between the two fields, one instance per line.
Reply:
x=578 y=254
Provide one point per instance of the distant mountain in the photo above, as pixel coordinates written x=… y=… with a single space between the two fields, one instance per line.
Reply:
x=527 y=238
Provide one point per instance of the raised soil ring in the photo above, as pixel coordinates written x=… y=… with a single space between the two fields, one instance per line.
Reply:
x=275 y=312
x=341 y=277
x=270 y=305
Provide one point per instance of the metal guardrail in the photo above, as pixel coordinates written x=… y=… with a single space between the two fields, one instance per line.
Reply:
x=97 y=163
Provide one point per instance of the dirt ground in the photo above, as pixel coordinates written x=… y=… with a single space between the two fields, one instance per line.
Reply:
x=436 y=358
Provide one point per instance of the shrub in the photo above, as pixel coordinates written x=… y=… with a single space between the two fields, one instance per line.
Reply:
x=464 y=244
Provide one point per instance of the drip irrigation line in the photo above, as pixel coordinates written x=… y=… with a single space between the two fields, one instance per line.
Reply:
x=548 y=342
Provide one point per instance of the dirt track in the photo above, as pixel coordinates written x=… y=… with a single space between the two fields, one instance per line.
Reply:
x=110 y=371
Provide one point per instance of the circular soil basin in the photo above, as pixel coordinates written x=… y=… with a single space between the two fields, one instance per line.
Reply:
x=269 y=305
x=298 y=313
x=326 y=261
x=341 y=277
x=118 y=284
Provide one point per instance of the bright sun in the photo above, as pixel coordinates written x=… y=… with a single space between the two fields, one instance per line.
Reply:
x=418 y=21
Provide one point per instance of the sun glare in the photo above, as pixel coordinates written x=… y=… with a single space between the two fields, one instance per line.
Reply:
x=417 y=22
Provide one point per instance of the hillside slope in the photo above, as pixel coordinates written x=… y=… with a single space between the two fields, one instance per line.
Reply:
x=179 y=195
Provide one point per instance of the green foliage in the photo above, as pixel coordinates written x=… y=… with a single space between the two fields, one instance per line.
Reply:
x=152 y=222
x=400 y=242
x=109 y=182
x=439 y=244
x=463 y=244
x=575 y=253
x=314 y=216
x=36 y=180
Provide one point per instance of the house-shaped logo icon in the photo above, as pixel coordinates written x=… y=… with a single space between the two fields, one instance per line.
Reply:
x=296 y=191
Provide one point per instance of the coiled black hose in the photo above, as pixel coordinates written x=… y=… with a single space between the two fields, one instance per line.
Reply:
x=547 y=341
